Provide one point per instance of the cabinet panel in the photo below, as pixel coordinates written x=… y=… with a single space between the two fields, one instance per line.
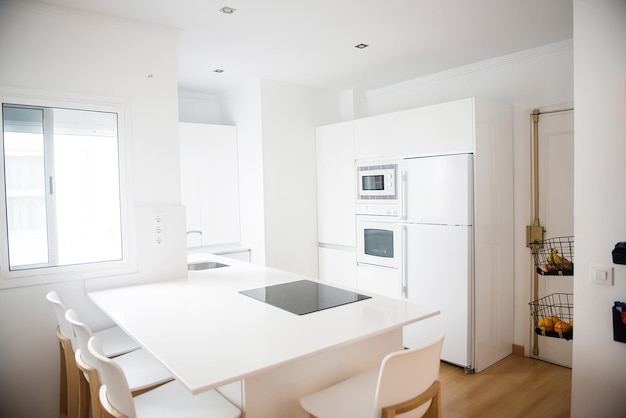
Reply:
x=210 y=181
x=338 y=267
x=378 y=136
x=378 y=280
x=190 y=181
x=438 y=129
x=336 y=184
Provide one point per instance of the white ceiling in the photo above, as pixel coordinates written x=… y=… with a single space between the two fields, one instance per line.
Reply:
x=311 y=42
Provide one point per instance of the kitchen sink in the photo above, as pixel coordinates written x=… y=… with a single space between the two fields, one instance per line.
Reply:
x=205 y=265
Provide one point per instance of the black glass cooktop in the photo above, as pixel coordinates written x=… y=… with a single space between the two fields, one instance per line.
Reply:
x=304 y=296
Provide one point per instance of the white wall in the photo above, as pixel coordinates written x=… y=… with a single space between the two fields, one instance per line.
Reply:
x=58 y=51
x=289 y=178
x=526 y=80
x=275 y=128
x=242 y=108
x=599 y=363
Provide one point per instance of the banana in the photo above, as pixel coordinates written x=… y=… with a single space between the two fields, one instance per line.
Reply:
x=558 y=262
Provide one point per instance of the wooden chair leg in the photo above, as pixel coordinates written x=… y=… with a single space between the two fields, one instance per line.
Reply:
x=72 y=377
x=62 y=384
x=84 y=399
x=434 y=410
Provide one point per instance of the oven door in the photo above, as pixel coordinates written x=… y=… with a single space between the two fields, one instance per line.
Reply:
x=379 y=242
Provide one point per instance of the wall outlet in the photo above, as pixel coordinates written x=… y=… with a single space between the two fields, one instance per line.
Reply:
x=158 y=228
x=602 y=275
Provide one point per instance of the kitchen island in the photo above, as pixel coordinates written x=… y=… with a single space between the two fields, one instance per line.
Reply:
x=262 y=357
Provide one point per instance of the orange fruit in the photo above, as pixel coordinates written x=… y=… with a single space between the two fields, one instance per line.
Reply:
x=546 y=324
x=562 y=327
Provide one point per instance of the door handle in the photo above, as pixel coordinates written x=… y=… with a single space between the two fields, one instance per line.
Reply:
x=403 y=195
x=405 y=262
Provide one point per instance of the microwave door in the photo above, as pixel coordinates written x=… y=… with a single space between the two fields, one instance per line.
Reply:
x=374 y=182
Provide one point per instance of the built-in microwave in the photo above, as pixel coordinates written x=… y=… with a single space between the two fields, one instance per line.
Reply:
x=377 y=181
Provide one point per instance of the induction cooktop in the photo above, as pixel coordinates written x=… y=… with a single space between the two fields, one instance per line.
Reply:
x=304 y=296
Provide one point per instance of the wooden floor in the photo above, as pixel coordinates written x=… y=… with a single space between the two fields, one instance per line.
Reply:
x=516 y=386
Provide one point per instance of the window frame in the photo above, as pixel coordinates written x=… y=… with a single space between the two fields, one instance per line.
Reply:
x=54 y=274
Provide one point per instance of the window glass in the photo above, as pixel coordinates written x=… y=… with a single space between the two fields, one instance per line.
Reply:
x=62 y=186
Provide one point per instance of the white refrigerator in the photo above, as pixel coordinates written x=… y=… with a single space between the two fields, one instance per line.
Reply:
x=437 y=218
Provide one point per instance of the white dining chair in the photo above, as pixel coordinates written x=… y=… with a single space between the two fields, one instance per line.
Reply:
x=142 y=370
x=405 y=383
x=115 y=342
x=168 y=400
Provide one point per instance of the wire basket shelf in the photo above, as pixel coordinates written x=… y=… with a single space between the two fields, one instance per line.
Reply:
x=554 y=256
x=553 y=315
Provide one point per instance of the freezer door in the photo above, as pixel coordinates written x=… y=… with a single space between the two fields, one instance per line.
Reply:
x=438 y=274
x=437 y=190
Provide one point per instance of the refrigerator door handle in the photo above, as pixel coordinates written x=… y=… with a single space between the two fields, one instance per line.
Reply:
x=405 y=262
x=403 y=196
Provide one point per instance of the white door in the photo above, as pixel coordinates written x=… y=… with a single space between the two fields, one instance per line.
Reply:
x=335 y=184
x=438 y=275
x=210 y=183
x=556 y=212
x=437 y=190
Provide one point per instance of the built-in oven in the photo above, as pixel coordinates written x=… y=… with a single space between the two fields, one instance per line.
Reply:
x=380 y=255
x=379 y=241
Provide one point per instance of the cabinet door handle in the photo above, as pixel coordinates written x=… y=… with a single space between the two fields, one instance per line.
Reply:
x=403 y=195
x=405 y=262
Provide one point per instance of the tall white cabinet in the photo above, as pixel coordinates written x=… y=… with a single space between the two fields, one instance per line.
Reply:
x=335 y=203
x=210 y=183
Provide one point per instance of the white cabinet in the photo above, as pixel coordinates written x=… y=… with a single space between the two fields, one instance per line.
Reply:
x=338 y=266
x=335 y=184
x=378 y=136
x=210 y=183
x=378 y=280
x=445 y=128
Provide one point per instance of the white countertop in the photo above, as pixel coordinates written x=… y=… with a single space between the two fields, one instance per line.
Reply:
x=209 y=335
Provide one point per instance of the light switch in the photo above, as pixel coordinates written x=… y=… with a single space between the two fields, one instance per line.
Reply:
x=601 y=275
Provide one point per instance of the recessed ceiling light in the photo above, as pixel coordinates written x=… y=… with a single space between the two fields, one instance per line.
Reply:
x=218 y=70
x=228 y=10
x=361 y=46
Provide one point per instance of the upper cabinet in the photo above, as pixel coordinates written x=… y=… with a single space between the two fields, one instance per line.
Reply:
x=378 y=136
x=210 y=183
x=445 y=128
x=335 y=184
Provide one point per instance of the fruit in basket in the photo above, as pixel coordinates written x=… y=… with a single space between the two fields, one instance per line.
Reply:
x=546 y=324
x=562 y=327
x=558 y=262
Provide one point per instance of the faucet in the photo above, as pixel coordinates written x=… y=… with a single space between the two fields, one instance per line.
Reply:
x=194 y=231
